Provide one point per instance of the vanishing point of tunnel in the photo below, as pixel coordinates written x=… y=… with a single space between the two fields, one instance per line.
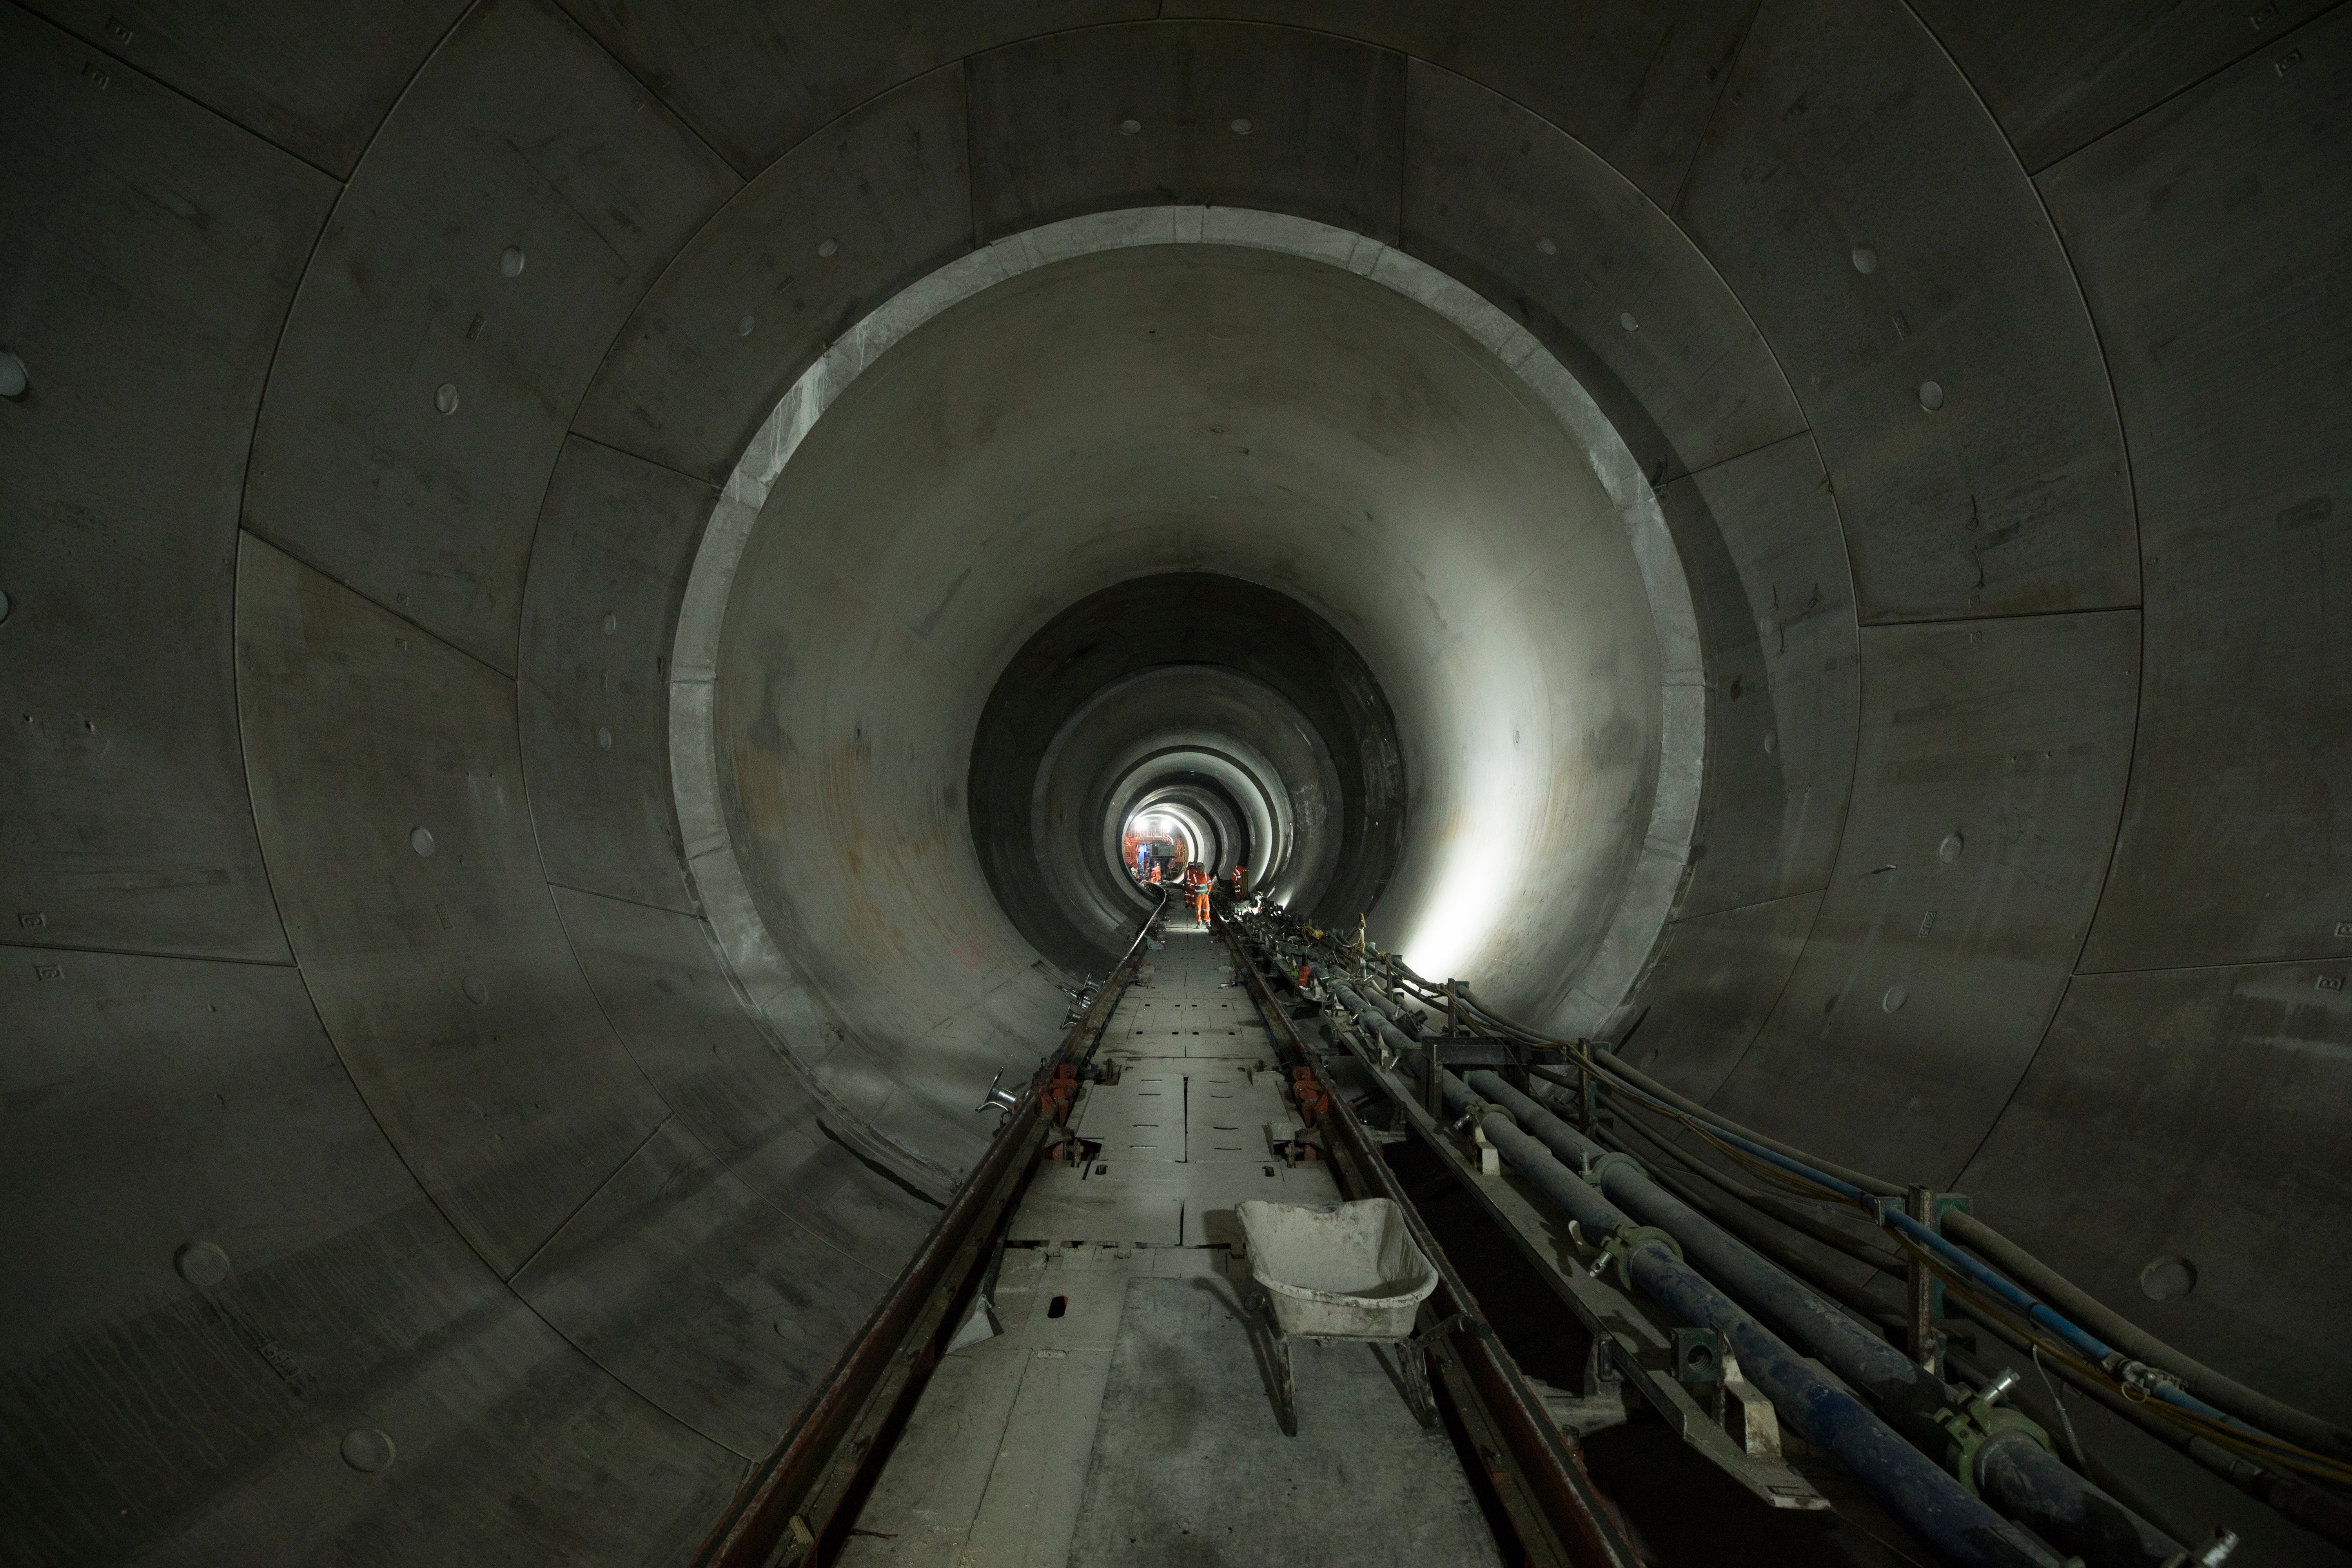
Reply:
x=981 y=783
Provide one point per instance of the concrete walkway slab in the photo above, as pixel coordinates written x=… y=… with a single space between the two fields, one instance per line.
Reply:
x=1062 y=1424
x=1190 y=1470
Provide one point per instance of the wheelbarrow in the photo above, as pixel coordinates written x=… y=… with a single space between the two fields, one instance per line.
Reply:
x=1348 y=1272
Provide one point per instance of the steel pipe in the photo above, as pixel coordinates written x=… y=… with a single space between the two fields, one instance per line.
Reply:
x=2225 y=1394
x=2028 y=1481
x=2194 y=1386
x=1905 y=1391
x=1960 y=1528
x=2078 y=1340
x=1575 y=1512
x=2324 y=1513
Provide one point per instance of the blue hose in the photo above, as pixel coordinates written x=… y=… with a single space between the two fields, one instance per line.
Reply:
x=2031 y=1307
x=2020 y=1473
x=2029 y=1482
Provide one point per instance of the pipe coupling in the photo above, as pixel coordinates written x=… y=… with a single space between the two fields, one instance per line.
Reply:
x=1476 y=1112
x=1976 y=1425
x=1593 y=1172
x=2140 y=1380
x=1621 y=1246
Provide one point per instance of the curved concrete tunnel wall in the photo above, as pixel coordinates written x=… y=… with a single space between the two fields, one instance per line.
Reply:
x=1245 y=399
x=1290 y=689
x=2020 y=862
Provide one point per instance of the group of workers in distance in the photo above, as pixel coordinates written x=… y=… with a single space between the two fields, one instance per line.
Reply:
x=1196 y=879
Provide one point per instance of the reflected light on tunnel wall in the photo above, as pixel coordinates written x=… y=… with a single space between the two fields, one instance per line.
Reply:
x=1481 y=869
x=1550 y=772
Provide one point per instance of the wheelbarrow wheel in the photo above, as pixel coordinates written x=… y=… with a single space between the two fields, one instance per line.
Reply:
x=1412 y=1364
x=1285 y=1382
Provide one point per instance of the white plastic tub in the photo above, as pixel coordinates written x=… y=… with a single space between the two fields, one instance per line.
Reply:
x=1346 y=1273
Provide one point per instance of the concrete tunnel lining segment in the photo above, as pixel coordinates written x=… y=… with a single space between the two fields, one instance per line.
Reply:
x=1283 y=684
x=1533 y=624
x=248 y=248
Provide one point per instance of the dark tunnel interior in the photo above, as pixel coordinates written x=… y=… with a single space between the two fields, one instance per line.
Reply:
x=590 y=594
x=1182 y=690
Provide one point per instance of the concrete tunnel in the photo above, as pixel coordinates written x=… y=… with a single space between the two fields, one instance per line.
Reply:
x=590 y=587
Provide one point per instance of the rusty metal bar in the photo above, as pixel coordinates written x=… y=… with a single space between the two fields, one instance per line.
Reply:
x=1575 y=1514
x=769 y=1507
x=1919 y=1290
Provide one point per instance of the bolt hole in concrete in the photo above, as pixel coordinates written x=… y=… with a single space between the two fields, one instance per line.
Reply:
x=1547 y=246
x=743 y=328
x=421 y=840
x=445 y=397
x=3 y=608
x=476 y=992
x=1931 y=396
x=1949 y=849
x=1242 y=128
x=828 y=247
x=510 y=261
x=1865 y=260
x=1894 y=998
x=367 y=1450
x=1130 y=127
x=1626 y=319
x=202 y=1264
x=14 y=378
x=1057 y=1307
x=2168 y=1280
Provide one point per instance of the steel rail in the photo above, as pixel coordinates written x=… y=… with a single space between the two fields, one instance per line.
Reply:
x=2052 y=1308
x=1961 y=1529
x=2011 y=1469
x=1576 y=1512
x=769 y=1505
x=2201 y=1390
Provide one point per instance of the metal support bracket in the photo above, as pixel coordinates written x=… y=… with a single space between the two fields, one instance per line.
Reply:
x=1924 y=1314
x=1699 y=1355
x=998 y=1097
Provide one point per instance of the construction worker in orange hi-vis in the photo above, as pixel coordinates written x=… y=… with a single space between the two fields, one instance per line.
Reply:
x=1239 y=872
x=1155 y=873
x=1196 y=877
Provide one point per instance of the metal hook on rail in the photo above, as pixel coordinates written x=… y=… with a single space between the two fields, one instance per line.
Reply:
x=998 y=1097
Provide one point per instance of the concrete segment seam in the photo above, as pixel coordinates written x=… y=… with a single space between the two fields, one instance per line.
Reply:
x=116 y=58
x=1845 y=809
x=1707 y=124
x=2184 y=89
